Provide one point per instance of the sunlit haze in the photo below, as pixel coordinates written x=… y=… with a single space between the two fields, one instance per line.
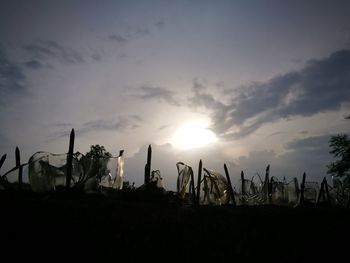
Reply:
x=193 y=134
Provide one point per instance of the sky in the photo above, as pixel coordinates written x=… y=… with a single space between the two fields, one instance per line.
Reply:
x=270 y=80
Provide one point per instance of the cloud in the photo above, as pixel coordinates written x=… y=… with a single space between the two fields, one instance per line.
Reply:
x=124 y=123
x=118 y=38
x=46 y=49
x=202 y=98
x=160 y=24
x=11 y=78
x=33 y=64
x=163 y=127
x=156 y=93
x=129 y=35
x=321 y=86
x=310 y=155
x=309 y=143
x=141 y=32
x=96 y=57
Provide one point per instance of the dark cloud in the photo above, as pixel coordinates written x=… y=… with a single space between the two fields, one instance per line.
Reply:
x=96 y=57
x=124 y=123
x=45 y=49
x=310 y=155
x=285 y=132
x=322 y=85
x=33 y=64
x=11 y=78
x=136 y=118
x=129 y=35
x=276 y=133
x=160 y=24
x=163 y=127
x=199 y=85
x=142 y=32
x=203 y=98
x=156 y=93
x=118 y=38
x=309 y=143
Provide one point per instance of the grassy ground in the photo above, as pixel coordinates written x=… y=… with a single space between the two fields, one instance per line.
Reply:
x=157 y=227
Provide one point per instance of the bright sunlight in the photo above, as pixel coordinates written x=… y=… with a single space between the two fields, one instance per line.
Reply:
x=192 y=135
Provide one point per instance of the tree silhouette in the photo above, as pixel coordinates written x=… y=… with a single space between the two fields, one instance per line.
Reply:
x=340 y=145
x=98 y=151
x=98 y=157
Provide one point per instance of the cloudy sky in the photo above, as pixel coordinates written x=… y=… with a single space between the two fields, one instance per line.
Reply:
x=270 y=80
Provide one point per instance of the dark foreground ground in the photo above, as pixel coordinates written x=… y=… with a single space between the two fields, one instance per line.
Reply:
x=151 y=227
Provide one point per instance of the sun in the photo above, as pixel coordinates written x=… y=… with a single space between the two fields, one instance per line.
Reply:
x=194 y=134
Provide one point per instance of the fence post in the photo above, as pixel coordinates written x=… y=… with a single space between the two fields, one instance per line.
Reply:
x=297 y=190
x=199 y=181
x=267 y=183
x=269 y=190
x=2 y=160
x=243 y=183
x=324 y=193
x=302 y=188
x=20 y=168
x=327 y=191
x=242 y=200
x=192 y=187
x=70 y=159
x=148 y=165
x=321 y=193
x=283 y=189
x=230 y=185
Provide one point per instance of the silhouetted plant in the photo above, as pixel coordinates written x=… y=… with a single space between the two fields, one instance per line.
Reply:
x=340 y=145
x=99 y=157
x=2 y=180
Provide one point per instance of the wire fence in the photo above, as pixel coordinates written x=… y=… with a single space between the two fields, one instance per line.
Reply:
x=49 y=172
x=214 y=189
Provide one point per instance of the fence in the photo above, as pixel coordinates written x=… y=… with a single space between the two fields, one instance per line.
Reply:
x=215 y=189
x=53 y=172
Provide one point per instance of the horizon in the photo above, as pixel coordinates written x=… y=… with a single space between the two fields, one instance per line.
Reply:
x=246 y=84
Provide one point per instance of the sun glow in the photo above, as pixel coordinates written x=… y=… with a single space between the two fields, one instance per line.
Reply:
x=192 y=135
